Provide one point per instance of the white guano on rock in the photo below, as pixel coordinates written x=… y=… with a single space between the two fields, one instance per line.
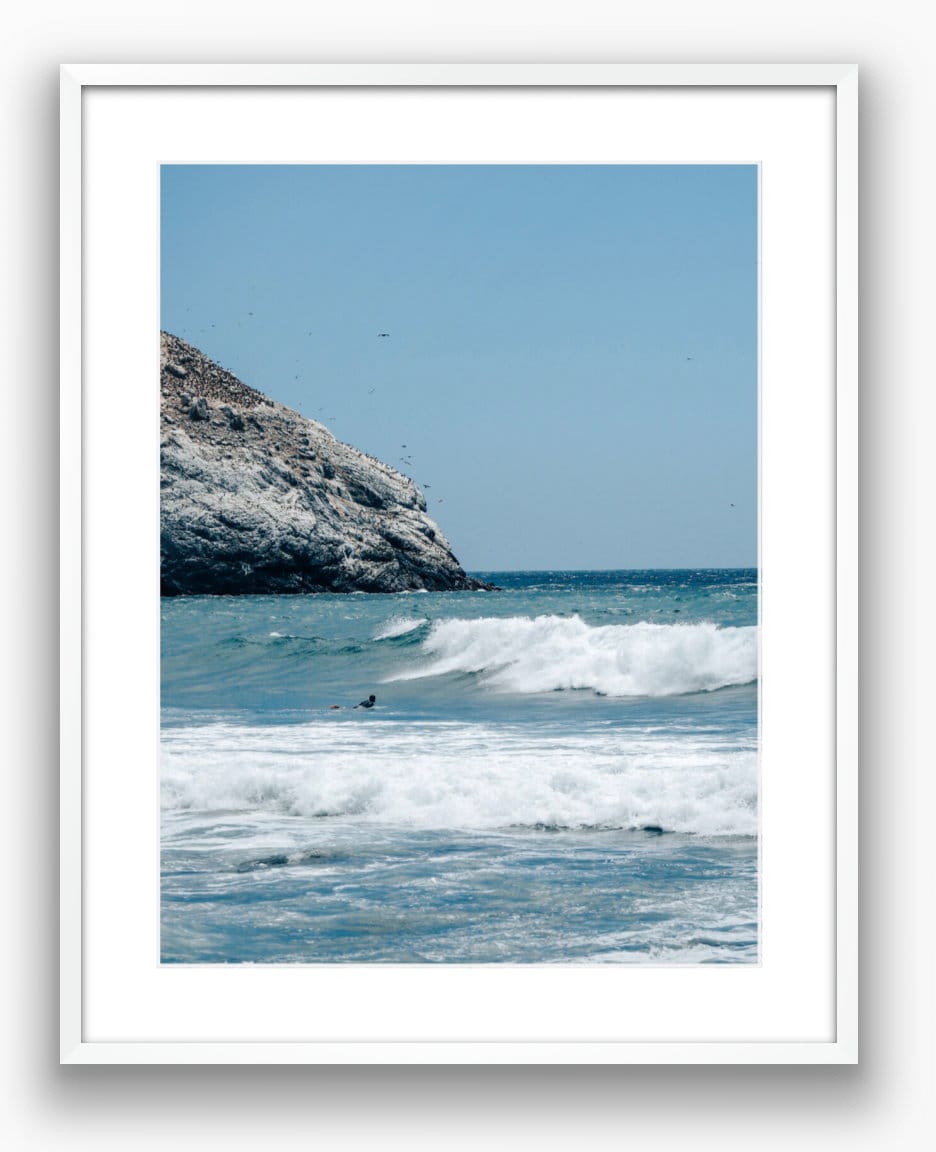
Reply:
x=256 y=498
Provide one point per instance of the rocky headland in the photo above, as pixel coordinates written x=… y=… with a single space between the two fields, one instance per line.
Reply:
x=255 y=498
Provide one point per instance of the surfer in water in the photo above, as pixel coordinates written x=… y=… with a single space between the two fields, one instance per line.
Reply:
x=368 y=703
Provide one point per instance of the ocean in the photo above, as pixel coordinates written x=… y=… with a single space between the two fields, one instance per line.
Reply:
x=563 y=771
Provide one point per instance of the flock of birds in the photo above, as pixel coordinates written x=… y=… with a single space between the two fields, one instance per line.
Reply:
x=406 y=460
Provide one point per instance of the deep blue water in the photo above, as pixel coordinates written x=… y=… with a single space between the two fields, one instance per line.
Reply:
x=561 y=771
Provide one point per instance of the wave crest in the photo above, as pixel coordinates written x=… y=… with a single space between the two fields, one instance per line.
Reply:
x=398 y=626
x=552 y=653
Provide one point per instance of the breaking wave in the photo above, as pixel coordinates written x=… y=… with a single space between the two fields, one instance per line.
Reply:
x=554 y=653
x=398 y=626
x=468 y=776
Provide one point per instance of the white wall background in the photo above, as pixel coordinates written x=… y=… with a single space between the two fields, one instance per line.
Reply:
x=886 y=1101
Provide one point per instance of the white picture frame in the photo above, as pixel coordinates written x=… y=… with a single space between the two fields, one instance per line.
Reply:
x=826 y=466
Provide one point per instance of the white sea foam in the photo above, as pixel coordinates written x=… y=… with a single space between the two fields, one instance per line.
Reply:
x=467 y=776
x=550 y=653
x=398 y=626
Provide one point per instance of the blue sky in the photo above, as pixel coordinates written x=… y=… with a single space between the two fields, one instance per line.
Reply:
x=572 y=360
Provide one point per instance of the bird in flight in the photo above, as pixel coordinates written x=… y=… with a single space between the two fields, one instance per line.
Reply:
x=383 y=333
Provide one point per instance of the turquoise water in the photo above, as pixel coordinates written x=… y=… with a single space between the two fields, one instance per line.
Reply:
x=561 y=771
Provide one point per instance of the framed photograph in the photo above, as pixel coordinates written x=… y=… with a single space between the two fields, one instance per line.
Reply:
x=459 y=553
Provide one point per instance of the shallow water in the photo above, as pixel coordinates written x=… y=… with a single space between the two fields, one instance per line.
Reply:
x=563 y=771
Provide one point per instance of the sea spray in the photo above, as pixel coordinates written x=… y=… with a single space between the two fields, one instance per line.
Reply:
x=467 y=775
x=551 y=653
x=478 y=815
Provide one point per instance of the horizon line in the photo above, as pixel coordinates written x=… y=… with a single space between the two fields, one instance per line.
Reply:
x=639 y=568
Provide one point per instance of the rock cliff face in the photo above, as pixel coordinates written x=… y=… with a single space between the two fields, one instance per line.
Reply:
x=257 y=499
